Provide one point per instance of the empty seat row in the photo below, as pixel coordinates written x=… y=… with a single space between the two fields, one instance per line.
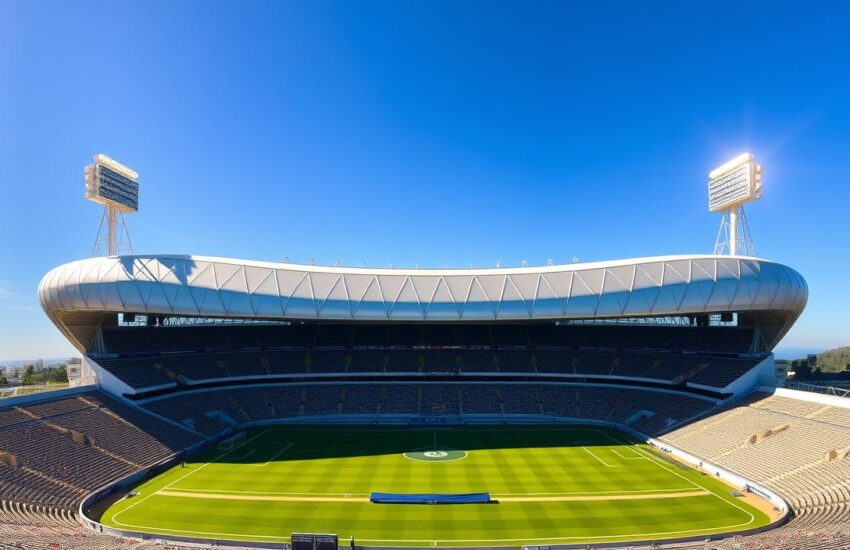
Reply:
x=213 y=411
x=189 y=368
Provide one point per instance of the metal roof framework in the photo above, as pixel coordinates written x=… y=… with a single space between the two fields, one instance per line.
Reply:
x=221 y=287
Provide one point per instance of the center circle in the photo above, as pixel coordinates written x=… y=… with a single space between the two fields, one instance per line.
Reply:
x=436 y=455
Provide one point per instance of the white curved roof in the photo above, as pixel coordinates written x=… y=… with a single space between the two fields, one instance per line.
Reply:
x=222 y=287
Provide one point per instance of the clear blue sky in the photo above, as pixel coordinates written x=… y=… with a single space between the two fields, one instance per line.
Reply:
x=433 y=132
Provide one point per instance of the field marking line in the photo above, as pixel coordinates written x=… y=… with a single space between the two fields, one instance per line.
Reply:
x=238 y=537
x=246 y=455
x=639 y=491
x=733 y=503
x=631 y=450
x=548 y=494
x=638 y=449
x=277 y=498
x=650 y=496
x=587 y=540
x=465 y=454
x=590 y=540
x=266 y=463
x=582 y=539
x=204 y=465
x=657 y=462
x=624 y=538
x=628 y=457
x=505 y=498
x=596 y=457
x=234 y=492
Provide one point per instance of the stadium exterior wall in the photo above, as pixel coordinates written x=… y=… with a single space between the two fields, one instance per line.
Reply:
x=78 y=296
x=107 y=381
x=44 y=396
x=823 y=399
x=759 y=375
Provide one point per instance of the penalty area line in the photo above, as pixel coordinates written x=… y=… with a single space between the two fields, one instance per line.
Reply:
x=658 y=461
x=638 y=457
x=244 y=456
x=269 y=461
x=585 y=449
x=194 y=470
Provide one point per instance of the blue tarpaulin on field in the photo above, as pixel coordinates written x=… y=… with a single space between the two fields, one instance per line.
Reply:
x=430 y=498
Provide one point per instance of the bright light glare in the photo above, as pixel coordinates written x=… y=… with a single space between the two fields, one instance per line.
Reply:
x=743 y=158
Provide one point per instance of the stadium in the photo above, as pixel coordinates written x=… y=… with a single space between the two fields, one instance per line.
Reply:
x=620 y=404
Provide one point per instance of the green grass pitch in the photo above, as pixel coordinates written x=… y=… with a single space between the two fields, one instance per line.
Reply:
x=570 y=484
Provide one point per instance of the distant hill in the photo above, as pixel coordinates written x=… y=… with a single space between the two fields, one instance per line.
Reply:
x=834 y=360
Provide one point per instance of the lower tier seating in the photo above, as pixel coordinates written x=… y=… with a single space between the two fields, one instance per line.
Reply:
x=212 y=411
x=799 y=449
x=25 y=527
x=54 y=452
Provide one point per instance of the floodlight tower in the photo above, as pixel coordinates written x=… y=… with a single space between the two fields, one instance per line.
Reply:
x=115 y=186
x=730 y=186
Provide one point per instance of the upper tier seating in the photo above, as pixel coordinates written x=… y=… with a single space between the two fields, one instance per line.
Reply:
x=189 y=368
x=367 y=360
x=541 y=334
x=139 y=372
x=283 y=362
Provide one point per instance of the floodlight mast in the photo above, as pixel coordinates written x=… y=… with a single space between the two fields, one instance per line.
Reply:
x=733 y=230
x=730 y=186
x=114 y=186
x=112 y=224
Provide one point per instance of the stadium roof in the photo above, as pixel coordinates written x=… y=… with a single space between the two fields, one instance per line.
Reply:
x=77 y=295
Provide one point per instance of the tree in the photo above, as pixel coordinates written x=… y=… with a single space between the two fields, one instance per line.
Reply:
x=57 y=374
x=28 y=379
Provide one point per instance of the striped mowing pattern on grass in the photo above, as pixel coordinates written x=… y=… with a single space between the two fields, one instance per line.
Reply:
x=551 y=480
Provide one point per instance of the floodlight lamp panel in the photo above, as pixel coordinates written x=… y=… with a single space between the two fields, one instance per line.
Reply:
x=109 y=162
x=111 y=184
x=734 y=183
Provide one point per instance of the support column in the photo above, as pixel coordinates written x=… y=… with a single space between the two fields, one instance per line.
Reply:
x=733 y=231
x=112 y=238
